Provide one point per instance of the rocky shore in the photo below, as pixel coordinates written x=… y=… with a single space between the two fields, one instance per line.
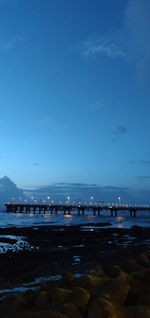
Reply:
x=103 y=272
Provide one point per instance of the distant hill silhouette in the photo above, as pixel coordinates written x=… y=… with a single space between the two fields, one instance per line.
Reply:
x=8 y=191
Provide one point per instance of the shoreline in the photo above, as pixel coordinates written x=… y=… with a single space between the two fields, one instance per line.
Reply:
x=67 y=252
x=53 y=250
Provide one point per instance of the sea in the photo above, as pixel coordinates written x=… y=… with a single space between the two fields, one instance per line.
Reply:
x=123 y=219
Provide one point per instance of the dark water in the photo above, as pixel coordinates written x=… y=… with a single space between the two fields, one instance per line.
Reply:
x=26 y=220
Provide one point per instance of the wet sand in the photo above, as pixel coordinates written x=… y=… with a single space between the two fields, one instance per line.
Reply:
x=70 y=253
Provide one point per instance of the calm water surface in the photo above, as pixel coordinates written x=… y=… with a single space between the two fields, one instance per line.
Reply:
x=25 y=220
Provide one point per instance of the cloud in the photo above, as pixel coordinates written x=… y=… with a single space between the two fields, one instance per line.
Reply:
x=56 y=126
x=137 y=30
x=102 y=45
x=7 y=45
x=132 y=162
x=120 y=130
x=144 y=162
x=140 y=161
x=131 y=42
x=36 y=164
x=143 y=178
x=97 y=106
x=79 y=191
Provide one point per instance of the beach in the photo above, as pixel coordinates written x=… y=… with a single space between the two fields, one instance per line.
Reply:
x=45 y=254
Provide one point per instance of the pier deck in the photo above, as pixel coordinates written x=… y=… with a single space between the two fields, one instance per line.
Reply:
x=80 y=209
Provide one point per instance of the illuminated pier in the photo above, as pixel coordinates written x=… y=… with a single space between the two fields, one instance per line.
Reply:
x=80 y=209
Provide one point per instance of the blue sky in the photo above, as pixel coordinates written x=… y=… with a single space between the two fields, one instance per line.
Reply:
x=75 y=101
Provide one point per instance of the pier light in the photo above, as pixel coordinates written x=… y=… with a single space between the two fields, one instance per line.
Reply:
x=52 y=201
x=25 y=200
x=68 y=199
x=91 y=199
x=48 y=197
x=60 y=202
x=43 y=201
x=35 y=201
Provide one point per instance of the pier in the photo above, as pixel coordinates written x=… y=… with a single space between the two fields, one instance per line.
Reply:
x=78 y=209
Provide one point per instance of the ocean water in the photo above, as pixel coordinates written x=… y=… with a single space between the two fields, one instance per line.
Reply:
x=123 y=219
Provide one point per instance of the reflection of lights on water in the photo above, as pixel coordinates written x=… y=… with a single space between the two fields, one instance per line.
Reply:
x=120 y=226
x=69 y=216
x=46 y=216
x=31 y=215
x=119 y=219
x=18 y=214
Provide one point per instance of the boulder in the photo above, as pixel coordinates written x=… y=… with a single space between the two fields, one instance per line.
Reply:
x=103 y=308
x=68 y=278
x=118 y=288
x=59 y=295
x=71 y=310
x=93 y=281
x=40 y=314
x=42 y=301
x=80 y=298
x=18 y=303
x=137 y=312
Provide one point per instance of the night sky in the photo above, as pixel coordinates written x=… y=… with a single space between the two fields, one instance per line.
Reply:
x=75 y=92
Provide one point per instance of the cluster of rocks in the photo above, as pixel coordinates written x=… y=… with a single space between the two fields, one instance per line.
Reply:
x=115 y=293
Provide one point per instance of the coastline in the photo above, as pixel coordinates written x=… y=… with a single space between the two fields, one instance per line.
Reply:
x=51 y=251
